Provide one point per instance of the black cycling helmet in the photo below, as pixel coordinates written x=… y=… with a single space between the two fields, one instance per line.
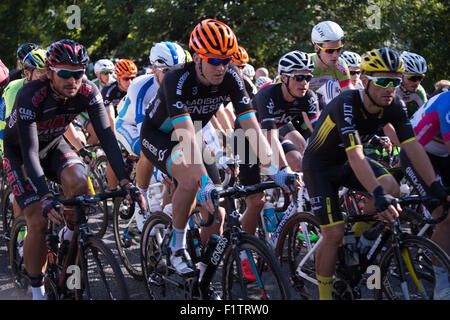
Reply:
x=67 y=51
x=25 y=48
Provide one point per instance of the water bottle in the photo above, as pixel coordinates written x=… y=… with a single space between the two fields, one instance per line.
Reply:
x=350 y=250
x=268 y=216
x=368 y=238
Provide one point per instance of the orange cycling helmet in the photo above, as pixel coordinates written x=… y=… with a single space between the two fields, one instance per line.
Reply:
x=240 y=56
x=214 y=37
x=125 y=67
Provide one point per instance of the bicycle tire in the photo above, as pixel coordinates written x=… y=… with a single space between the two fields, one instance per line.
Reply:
x=233 y=284
x=108 y=272
x=292 y=247
x=151 y=251
x=128 y=239
x=7 y=212
x=420 y=261
x=18 y=273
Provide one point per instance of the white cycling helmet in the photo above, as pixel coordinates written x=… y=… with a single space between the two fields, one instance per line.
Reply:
x=326 y=31
x=262 y=81
x=295 y=60
x=352 y=58
x=414 y=63
x=167 y=54
x=103 y=65
x=249 y=71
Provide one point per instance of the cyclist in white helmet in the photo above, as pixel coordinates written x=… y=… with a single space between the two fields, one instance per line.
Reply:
x=327 y=39
x=332 y=89
x=410 y=91
x=131 y=109
x=249 y=71
x=104 y=70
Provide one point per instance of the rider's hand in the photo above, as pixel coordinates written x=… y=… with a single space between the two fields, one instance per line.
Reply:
x=52 y=209
x=134 y=195
x=386 y=208
x=204 y=195
x=281 y=175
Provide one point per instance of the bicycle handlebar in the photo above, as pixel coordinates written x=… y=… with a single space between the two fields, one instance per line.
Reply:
x=429 y=200
x=78 y=200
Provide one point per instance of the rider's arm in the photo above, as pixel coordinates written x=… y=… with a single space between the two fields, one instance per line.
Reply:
x=277 y=149
x=224 y=120
x=420 y=160
x=389 y=131
x=361 y=168
x=71 y=134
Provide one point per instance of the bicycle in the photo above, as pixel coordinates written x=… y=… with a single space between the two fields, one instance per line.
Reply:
x=270 y=281
x=85 y=268
x=404 y=259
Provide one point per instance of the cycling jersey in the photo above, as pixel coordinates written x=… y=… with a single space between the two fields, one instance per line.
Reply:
x=112 y=95
x=413 y=100
x=432 y=124
x=183 y=96
x=250 y=87
x=330 y=90
x=320 y=76
x=274 y=112
x=345 y=124
x=131 y=111
x=6 y=105
x=38 y=121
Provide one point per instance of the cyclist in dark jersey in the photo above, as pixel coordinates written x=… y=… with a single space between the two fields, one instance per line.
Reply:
x=334 y=155
x=35 y=148
x=188 y=97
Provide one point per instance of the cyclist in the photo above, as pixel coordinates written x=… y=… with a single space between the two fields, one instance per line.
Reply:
x=327 y=39
x=22 y=51
x=240 y=60
x=104 y=70
x=249 y=71
x=332 y=89
x=277 y=106
x=261 y=72
x=342 y=127
x=35 y=149
x=131 y=109
x=431 y=124
x=188 y=93
x=411 y=91
x=262 y=82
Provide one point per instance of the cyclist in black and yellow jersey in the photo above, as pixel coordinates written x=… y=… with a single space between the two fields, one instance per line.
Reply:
x=334 y=154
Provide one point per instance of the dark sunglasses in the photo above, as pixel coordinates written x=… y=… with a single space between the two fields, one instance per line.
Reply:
x=216 y=61
x=384 y=82
x=127 y=78
x=331 y=50
x=107 y=73
x=355 y=72
x=67 y=74
x=300 y=77
x=414 y=78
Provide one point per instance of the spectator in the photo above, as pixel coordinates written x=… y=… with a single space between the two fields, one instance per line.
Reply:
x=261 y=72
x=4 y=74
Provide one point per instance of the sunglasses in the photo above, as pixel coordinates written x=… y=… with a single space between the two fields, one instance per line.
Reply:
x=127 y=78
x=300 y=77
x=385 y=82
x=107 y=73
x=216 y=61
x=67 y=74
x=354 y=72
x=414 y=78
x=331 y=50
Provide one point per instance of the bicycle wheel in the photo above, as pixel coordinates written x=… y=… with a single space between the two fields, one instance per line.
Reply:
x=101 y=276
x=417 y=256
x=7 y=212
x=98 y=214
x=270 y=283
x=18 y=234
x=128 y=241
x=299 y=234
x=156 y=229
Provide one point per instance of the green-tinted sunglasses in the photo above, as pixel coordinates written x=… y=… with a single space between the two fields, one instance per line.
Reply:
x=66 y=73
x=384 y=82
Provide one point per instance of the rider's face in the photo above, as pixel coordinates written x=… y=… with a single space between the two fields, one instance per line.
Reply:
x=382 y=96
x=297 y=88
x=213 y=74
x=329 y=53
x=66 y=87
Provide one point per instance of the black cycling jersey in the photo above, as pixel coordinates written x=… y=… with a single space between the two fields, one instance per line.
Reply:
x=274 y=112
x=345 y=124
x=250 y=87
x=112 y=94
x=39 y=119
x=181 y=94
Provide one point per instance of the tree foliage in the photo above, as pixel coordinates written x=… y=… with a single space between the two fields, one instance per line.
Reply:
x=267 y=29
